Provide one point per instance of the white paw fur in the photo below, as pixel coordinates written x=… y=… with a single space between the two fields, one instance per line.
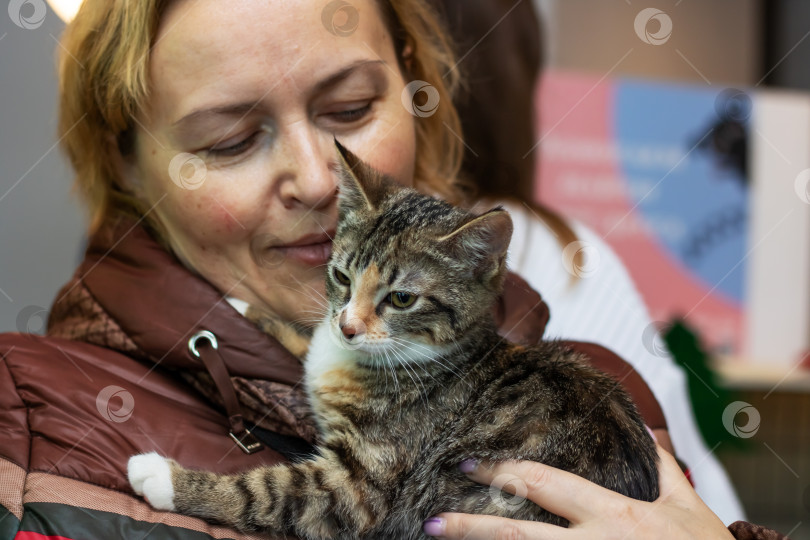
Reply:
x=151 y=477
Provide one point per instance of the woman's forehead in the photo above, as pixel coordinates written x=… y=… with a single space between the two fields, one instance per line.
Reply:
x=207 y=51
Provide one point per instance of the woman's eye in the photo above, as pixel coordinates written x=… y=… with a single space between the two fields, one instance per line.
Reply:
x=402 y=300
x=351 y=115
x=234 y=149
x=342 y=278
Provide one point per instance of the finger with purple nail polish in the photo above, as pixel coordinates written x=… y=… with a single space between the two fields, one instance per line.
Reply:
x=468 y=466
x=434 y=526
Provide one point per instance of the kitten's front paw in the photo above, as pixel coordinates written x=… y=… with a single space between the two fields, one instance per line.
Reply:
x=151 y=477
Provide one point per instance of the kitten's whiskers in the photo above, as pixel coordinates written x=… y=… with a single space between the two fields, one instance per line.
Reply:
x=326 y=232
x=321 y=303
x=313 y=289
x=417 y=381
x=432 y=357
x=390 y=363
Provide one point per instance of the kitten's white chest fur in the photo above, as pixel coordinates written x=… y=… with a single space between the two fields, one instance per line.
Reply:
x=327 y=364
x=326 y=355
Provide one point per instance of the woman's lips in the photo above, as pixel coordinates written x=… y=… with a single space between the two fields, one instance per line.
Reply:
x=311 y=249
x=315 y=254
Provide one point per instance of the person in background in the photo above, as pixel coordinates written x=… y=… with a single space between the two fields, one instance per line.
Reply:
x=499 y=43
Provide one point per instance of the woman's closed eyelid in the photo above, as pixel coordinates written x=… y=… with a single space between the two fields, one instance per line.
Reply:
x=357 y=91
x=232 y=149
x=353 y=114
x=235 y=149
x=241 y=144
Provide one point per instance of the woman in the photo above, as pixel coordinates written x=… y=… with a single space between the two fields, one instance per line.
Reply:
x=201 y=133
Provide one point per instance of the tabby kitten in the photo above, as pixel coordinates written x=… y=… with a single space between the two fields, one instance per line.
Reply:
x=408 y=377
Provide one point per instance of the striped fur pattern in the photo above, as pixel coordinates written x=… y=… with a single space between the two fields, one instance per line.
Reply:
x=406 y=394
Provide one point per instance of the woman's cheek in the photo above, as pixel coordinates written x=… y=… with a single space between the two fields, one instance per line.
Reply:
x=397 y=159
x=390 y=147
x=223 y=221
x=221 y=218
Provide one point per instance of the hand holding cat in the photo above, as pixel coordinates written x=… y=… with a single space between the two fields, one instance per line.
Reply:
x=594 y=512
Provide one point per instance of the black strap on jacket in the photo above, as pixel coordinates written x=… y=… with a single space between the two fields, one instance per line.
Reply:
x=292 y=448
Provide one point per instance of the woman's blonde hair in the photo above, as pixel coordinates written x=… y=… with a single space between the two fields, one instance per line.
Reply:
x=104 y=82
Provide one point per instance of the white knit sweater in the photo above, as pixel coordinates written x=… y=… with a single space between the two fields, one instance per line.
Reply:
x=604 y=307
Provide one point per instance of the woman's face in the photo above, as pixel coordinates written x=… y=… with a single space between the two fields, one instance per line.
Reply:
x=256 y=91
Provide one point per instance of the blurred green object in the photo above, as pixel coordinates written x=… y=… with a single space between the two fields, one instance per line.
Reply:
x=709 y=399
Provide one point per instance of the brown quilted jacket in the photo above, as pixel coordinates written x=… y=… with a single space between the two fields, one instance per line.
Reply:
x=115 y=377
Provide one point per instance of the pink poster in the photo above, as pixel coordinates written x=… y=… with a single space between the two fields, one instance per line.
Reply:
x=638 y=163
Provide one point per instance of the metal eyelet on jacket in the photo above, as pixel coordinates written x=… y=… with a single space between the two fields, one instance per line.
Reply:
x=202 y=334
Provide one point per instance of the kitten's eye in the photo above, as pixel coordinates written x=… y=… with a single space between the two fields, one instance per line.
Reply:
x=342 y=278
x=402 y=300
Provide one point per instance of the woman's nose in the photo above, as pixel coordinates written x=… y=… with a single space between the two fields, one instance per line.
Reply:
x=310 y=180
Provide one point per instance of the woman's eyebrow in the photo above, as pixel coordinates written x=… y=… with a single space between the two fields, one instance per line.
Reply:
x=226 y=110
x=343 y=73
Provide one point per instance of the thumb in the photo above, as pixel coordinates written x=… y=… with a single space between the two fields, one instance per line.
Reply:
x=673 y=483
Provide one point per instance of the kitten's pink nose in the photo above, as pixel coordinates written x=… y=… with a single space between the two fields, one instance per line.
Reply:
x=350 y=331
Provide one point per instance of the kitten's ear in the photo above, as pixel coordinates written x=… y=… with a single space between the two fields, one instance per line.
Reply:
x=483 y=241
x=361 y=187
